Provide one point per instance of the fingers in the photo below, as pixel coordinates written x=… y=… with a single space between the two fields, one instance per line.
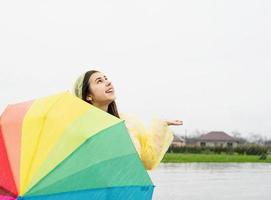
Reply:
x=179 y=122
x=174 y=122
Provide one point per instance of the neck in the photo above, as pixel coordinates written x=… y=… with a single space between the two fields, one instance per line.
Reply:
x=103 y=107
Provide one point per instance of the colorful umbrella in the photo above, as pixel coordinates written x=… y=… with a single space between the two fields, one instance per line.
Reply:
x=60 y=147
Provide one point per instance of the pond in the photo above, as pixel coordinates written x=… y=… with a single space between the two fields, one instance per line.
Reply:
x=212 y=181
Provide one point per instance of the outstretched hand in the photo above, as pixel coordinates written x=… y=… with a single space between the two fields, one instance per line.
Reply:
x=174 y=122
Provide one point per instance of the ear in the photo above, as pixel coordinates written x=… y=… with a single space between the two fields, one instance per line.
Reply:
x=89 y=98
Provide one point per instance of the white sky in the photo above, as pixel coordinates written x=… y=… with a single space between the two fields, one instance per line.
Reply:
x=204 y=62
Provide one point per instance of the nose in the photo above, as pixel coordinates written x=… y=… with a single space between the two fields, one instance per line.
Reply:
x=108 y=82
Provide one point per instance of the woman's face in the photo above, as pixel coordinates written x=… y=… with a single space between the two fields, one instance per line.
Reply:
x=102 y=90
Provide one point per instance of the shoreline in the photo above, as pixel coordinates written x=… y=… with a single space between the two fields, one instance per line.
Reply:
x=219 y=158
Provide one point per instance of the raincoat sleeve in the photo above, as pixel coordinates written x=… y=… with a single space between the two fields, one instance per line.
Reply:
x=152 y=143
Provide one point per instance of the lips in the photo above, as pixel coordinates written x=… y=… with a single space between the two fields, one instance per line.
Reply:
x=109 y=90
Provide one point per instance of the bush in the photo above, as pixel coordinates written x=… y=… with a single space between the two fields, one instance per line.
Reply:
x=242 y=149
x=251 y=149
x=263 y=156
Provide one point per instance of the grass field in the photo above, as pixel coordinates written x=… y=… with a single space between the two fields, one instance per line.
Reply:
x=185 y=158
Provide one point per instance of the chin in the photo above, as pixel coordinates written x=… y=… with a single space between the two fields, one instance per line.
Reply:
x=111 y=100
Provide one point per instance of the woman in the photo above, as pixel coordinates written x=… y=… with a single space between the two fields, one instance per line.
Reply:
x=151 y=145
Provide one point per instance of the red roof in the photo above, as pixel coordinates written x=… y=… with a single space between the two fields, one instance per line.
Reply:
x=216 y=136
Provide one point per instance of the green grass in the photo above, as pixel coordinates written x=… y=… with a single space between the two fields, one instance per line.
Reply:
x=186 y=157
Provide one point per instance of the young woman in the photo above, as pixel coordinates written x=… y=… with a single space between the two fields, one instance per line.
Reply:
x=151 y=144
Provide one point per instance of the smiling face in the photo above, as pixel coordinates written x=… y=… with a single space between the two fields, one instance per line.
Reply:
x=101 y=89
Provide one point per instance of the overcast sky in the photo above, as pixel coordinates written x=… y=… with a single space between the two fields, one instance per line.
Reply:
x=207 y=63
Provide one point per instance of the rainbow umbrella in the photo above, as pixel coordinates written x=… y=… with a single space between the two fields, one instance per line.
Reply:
x=60 y=147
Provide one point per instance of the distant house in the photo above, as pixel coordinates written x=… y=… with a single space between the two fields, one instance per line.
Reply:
x=217 y=138
x=191 y=141
x=177 y=141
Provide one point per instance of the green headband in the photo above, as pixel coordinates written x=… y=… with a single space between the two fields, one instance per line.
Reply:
x=78 y=85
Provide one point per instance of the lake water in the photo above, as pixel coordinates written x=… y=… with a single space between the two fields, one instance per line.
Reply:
x=212 y=181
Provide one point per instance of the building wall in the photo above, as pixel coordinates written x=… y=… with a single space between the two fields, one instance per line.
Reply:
x=178 y=144
x=214 y=144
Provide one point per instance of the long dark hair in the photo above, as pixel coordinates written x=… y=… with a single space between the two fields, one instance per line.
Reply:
x=112 y=107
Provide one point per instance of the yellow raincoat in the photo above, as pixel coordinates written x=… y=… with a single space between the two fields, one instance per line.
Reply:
x=152 y=143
